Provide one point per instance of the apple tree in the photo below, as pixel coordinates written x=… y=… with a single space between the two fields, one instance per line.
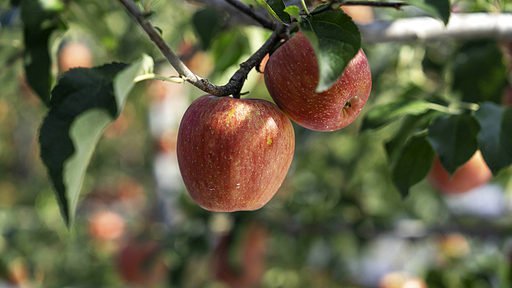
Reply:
x=415 y=96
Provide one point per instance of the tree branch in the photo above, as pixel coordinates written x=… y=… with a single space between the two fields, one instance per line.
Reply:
x=235 y=84
x=249 y=11
x=460 y=27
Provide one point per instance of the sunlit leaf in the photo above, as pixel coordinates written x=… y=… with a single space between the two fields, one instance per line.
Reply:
x=83 y=103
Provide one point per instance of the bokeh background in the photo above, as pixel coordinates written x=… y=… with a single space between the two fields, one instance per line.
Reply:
x=337 y=220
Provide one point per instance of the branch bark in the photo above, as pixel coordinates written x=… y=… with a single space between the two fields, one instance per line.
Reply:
x=496 y=26
x=235 y=84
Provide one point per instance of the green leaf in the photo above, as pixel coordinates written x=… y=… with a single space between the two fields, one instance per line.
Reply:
x=83 y=103
x=480 y=74
x=293 y=11
x=495 y=137
x=227 y=49
x=413 y=164
x=207 y=25
x=39 y=21
x=440 y=9
x=411 y=125
x=277 y=9
x=454 y=139
x=382 y=115
x=335 y=39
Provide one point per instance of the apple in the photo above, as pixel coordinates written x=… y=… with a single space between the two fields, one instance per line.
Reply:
x=291 y=76
x=233 y=154
x=140 y=263
x=360 y=14
x=252 y=252
x=74 y=54
x=398 y=279
x=471 y=174
x=106 y=225
x=454 y=245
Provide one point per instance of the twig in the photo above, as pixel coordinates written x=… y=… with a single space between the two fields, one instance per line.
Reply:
x=264 y=21
x=396 y=5
x=235 y=84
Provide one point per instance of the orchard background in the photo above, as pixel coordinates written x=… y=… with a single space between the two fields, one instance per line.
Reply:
x=356 y=208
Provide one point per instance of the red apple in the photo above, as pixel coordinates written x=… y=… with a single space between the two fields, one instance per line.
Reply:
x=234 y=154
x=291 y=77
x=470 y=175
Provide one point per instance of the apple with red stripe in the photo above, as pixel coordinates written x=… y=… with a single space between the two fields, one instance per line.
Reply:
x=291 y=77
x=233 y=153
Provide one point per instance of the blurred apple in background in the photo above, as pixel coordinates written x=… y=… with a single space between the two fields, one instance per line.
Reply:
x=454 y=245
x=400 y=279
x=106 y=225
x=251 y=253
x=74 y=54
x=360 y=14
x=141 y=264
x=471 y=174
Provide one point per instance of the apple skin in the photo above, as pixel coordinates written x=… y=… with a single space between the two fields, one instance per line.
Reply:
x=234 y=154
x=291 y=76
x=471 y=174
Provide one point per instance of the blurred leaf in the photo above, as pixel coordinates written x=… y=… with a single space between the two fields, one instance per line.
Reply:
x=335 y=39
x=410 y=125
x=277 y=9
x=436 y=8
x=39 y=21
x=227 y=49
x=293 y=11
x=413 y=164
x=454 y=139
x=84 y=102
x=495 y=137
x=207 y=25
x=480 y=73
x=382 y=115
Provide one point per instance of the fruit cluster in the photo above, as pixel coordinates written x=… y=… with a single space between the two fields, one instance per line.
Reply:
x=234 y=154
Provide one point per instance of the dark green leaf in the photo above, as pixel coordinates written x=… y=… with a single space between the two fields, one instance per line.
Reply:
x=454 y=140
x=84 y=102
x=382 y=115
x=39 y=22
x=207 y=25
x=276 y=8
x=411 y=125
x=480 y=74
x=436 y=8
x=335 y=39
x=413 y=164
x=227 y=49
x=495 y=137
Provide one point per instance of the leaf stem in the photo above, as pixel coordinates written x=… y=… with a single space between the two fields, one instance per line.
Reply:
x=305 y=7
